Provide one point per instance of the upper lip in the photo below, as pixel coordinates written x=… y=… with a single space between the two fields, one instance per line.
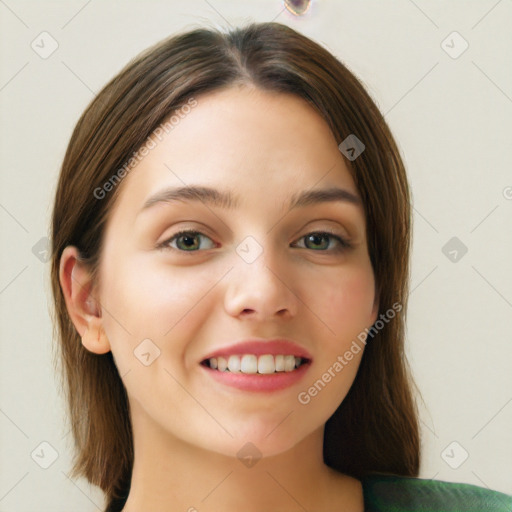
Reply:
x=260 y=346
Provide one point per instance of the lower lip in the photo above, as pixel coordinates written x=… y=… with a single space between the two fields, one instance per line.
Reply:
x=258 y=381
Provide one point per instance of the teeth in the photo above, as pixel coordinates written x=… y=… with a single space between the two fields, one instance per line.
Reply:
x=250 y=363
x=289 y=363
x=222 y=364
x=234 y=364
x=266 y=364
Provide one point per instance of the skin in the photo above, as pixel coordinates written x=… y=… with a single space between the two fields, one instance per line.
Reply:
x=187 y=427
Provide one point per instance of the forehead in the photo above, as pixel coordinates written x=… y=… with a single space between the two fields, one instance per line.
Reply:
x=256 y=143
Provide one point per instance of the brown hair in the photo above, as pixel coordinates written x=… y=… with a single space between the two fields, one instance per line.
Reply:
x=375 y=428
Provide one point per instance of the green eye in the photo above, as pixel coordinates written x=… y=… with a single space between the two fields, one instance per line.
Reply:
x=186 y=241
x=320 y=240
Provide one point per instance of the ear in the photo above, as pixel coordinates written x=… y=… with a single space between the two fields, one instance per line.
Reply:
x=84 y=310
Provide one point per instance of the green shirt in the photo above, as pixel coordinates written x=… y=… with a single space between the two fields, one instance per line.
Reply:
x=388 y=493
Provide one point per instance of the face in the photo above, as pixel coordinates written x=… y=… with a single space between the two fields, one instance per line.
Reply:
x=257 y=269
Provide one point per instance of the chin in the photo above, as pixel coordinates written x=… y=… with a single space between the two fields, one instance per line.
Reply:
x=270 y=439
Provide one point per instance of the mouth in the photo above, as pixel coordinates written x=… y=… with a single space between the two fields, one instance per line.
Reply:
x=264 y=373
x=252 y=364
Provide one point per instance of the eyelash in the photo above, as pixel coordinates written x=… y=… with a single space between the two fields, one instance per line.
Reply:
x=343 y=243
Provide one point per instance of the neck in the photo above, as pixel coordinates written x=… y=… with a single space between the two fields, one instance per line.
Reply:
x=170 y=475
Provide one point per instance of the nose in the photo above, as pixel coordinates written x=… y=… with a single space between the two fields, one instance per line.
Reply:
x=261 y=290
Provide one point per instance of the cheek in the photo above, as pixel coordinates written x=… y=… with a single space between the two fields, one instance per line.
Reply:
x=150 y=299
x=145 y=300
x=347 y=301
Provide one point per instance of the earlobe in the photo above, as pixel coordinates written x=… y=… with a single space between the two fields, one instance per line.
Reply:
x=94 y=338
x=83 y=309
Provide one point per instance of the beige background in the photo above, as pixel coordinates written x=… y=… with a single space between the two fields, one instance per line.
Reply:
x=452 y=118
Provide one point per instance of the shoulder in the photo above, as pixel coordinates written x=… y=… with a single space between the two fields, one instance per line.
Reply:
x=383 y=491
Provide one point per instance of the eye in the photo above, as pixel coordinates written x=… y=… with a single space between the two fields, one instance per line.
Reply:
x=186 y=241
x=321 y=240
x=190 y=241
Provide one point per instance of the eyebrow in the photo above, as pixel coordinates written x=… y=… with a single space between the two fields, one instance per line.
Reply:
x=227 y=200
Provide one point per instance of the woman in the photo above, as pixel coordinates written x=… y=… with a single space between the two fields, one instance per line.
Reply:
x=230 y=259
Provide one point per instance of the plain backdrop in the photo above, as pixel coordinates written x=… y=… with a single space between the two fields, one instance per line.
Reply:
x=448 y=100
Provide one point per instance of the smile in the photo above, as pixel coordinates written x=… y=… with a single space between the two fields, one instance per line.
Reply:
x=257 y=373
x=250 y=363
